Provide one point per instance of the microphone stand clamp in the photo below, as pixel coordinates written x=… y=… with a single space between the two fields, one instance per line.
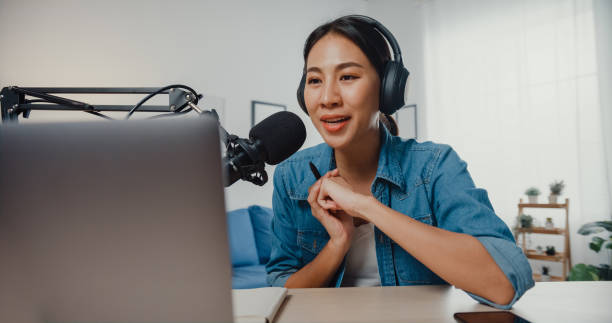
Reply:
x=251 y=172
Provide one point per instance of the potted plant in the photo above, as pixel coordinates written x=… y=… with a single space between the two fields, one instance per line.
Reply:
x=556 y=188
x=525 y=221
x=532 y=194
x=590 y=272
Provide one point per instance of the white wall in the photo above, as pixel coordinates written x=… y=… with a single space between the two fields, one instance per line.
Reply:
x=237 y=50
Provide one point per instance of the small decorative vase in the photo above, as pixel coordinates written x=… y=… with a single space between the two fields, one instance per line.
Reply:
x=533 y=199
x=549 y=224
x=552 y=198
x=545 y=275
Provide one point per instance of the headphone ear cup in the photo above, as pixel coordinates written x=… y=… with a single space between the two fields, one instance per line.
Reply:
x=393 y=87
x=300 y=94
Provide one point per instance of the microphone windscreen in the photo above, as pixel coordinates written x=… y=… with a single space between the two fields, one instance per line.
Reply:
x=280 y=134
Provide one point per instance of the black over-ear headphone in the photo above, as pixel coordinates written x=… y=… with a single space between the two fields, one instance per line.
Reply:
x=394 y=82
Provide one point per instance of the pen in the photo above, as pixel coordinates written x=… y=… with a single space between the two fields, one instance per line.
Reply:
x=314 y=170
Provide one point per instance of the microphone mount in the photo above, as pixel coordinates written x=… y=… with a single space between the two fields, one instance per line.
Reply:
x=15 y=101
x=254 y=171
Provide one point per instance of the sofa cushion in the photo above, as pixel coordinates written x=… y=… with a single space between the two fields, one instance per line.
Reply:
x=243 y=249
x=249 y=277
x=261 y=218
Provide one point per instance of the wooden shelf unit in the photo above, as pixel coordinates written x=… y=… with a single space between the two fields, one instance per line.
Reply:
x=557 y=257
x=560 y=256
x=544 y=205
x=538 y=277
x=542 y=230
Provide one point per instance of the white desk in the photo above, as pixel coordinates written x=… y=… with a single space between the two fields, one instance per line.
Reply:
x=546 y=302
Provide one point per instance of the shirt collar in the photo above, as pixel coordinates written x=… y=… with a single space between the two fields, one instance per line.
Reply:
x=389 y=161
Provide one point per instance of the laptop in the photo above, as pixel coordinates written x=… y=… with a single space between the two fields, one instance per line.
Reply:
x=113 y=222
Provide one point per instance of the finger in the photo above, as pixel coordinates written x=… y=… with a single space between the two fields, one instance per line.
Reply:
x=330 y=222
x=335 y=172
x=322 y=196
x=318 y=212
x=328 y=174
x=328 y=205
x=314 y=205
x=323 y=216
x=313 y=191
x=324 y=199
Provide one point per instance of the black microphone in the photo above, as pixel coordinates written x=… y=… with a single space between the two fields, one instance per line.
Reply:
x=271 y=141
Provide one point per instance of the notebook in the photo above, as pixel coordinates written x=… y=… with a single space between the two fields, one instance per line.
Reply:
x=258 y=305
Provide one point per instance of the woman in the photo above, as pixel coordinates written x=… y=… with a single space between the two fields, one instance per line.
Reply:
x=387 y=211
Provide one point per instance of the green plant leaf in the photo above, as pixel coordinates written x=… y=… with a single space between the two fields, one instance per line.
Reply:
x=596 y=243
x=584 y=272
x=532 y=191
x=595 y=227
x=609 y=245
x=556 y=187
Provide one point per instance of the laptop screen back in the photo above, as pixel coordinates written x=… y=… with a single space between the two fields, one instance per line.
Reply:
x=113 y=222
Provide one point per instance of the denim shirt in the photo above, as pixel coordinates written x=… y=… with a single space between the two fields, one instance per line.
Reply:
x=425 y=181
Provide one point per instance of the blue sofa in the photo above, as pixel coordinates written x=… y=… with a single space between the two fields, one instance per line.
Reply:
x=249 y=239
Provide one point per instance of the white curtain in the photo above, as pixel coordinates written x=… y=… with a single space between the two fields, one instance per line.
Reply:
x=513 y=87
x=603 y=33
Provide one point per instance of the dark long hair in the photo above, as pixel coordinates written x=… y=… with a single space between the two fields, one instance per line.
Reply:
x=361 y=33
x=389 y=123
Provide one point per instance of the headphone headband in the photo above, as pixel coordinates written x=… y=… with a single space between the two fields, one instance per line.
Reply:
x=397 y=54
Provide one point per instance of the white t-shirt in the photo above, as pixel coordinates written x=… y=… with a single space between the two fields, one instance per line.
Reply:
x=361 y=264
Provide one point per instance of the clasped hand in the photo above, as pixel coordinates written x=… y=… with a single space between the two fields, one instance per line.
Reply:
x=333 y=202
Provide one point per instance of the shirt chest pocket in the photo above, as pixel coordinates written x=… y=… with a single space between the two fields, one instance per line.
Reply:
x=414 y=203
x=311 y=242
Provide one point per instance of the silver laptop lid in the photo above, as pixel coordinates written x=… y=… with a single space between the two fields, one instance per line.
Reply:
x=113 y=222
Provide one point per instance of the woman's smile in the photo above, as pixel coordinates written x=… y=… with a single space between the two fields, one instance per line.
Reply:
x=334 y=122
